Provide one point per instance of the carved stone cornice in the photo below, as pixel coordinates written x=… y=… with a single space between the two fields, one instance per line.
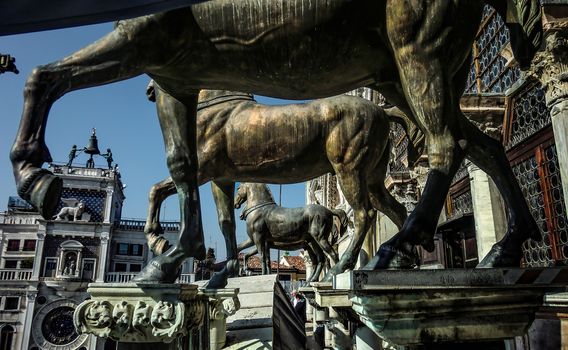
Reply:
x=551 y=65
x=147 y=313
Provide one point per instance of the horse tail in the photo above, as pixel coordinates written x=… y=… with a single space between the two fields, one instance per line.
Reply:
x=343 y=220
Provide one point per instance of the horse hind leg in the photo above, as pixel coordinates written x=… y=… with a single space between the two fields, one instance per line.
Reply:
x=319 y=258
x=223 y=194
x=427 y=62
x=153 y=230
x=115 y=57
x=352 y=184
x=380 y=197
x=321 y=234
x=490 y=156
x=313 y=258
x=177 y=121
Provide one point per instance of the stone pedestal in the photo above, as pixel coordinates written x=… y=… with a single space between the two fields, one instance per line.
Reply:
x=161 y=316
x=335 y=311
x=222 y=304
x=426 y=309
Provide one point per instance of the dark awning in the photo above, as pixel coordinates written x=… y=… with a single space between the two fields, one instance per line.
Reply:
x=22 y=16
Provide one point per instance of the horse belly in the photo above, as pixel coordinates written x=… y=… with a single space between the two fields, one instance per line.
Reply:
x=289 y=49
x=287 y=225
x=266 y=137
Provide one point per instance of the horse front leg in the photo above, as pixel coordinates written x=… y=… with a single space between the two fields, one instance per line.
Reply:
x=177 y=121
x=353 y=186
x=223 y=194
x=425 y=62
x=114 y=57
x=488 y=154
x=313 y=258
x=153 y=230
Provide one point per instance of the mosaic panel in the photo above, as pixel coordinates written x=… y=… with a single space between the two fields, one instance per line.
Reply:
x=557 y=213
x=529 y=115
x=461 y=204
x=535 y=253
x=492 y=70
x=461 y=173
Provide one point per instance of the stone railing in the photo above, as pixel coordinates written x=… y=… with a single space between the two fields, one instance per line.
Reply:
x=125 y=277
x=15 y=274
x=80 y=170
x=138 y=225
x=119 y=277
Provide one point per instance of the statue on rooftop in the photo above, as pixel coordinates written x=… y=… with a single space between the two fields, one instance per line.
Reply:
x=108 y=157
x=72 y=155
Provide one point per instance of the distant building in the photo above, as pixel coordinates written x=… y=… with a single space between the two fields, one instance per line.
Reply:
x=46 y=265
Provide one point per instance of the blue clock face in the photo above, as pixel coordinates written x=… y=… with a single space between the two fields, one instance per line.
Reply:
x=57 y=326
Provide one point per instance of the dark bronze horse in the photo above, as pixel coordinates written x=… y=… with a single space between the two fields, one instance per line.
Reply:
x=239 y=139
x=270 y=225
x=416 y=53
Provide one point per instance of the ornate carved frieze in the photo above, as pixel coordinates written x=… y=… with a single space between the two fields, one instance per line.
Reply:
x=129 y=313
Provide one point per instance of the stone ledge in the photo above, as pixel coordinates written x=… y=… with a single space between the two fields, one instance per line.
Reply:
x=443 y=306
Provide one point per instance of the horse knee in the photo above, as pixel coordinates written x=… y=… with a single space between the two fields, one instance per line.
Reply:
x=441 y=151
x=180 y=166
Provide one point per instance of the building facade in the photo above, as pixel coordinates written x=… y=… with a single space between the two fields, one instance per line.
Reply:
x=46 y=265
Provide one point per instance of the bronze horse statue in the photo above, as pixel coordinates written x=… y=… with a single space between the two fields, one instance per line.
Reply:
x=239 y=139
x=416 y=53
x=270 y=225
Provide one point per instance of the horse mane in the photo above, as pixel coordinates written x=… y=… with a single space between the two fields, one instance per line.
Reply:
x=269 y=192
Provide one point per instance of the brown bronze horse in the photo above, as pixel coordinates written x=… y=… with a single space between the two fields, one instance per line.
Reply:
x=270 y=225
x=416 y=53
x=239 y=139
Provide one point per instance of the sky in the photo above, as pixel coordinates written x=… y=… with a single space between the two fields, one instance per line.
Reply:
x=124 y=119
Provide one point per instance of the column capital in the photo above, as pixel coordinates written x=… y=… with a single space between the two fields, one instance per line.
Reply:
x=551 y=65
x=31 y=296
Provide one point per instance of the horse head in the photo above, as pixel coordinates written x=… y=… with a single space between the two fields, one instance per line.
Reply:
x=241 y=196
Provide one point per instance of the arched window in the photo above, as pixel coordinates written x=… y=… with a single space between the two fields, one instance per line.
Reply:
x=6 y=337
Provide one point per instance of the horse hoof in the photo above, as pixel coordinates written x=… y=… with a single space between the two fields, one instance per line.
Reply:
x=156 y=272
x=391 y=258
x=218 y=280
x=43 y=190
x=500 y=257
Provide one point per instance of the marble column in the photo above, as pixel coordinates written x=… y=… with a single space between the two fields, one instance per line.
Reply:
x=109 y=204
x=38 y=253
x=103 y=255
x=30 y=304
x=488 y=209
x=551 y=68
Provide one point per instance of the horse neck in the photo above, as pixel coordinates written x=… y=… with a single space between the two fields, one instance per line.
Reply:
x=258 y=194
